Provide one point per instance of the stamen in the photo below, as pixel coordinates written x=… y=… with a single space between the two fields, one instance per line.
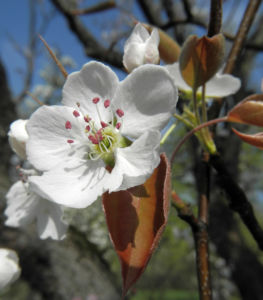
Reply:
x=68 y=125
x=106 y=103
x=95 y=100
x=70 y=141
x=93 y=139
x=76 y=113
x=103 y=124
x=87 y=119
x=105 y=147
x=87 y=128
x=78 y=104
x=120 y=112
x=118 y=125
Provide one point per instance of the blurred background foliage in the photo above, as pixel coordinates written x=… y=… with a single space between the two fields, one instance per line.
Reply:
x=84 y=265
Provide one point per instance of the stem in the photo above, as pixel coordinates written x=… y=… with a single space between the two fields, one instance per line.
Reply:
x=204 y=113
x=215 y=20
x=193 y=131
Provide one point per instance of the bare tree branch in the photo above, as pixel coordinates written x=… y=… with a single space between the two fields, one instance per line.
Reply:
x=92 y=47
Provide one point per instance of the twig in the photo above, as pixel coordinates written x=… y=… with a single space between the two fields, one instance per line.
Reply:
x=94 y=9
x=244 y=27
x=237 y=199
x=215 y=20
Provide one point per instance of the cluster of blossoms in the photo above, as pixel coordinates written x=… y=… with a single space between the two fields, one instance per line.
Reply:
x=105 y=136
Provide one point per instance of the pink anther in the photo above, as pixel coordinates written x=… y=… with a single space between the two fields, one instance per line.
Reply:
x=76 y=113
x=87 y=128
x=87 y=119
x=68 y=125
x=70 y=141
x=118 y=125
x=95 y=100
x=93 y=139
x=103 y=124
x=106 y=103
x=120 y=112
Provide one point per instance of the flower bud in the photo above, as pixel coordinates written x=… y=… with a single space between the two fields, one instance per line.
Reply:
x=141 y=48
x=18 y=137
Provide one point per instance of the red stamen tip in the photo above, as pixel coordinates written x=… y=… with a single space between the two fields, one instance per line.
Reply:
x=87 y=119
x=68 y=125
x=106 y=103
x=93 y=139
x=70 y=141
x=87 y=128
x=120 y=112
x=118 y=125
x=76 y=113
x=96 y=100
x=103 y=124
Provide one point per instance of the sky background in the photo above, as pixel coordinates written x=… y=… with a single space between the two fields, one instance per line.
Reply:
x=14 y=24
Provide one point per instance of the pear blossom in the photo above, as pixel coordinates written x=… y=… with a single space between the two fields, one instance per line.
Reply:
x=141 y=48
x=24 y=205
x=106 y=137
x=18 y=136
x=219 y=86
x=9 y=267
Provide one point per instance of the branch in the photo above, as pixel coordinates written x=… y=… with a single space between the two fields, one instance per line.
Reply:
x=215 y=20
x=150 y=13
x=237 y=199
x=92 y=47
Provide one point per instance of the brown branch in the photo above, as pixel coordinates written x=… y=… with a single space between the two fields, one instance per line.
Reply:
x=199 y=230
x=244 y=27
x=237 y=199
x=95 y=9
x=148 y=9
x=215 y=20
x=92 y=47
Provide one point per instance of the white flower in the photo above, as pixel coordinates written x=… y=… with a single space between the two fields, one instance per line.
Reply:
x=219 y=86
x=24 y=206
x=9 y=267
x=141 y=48
x=18 y=137
x=82 y=147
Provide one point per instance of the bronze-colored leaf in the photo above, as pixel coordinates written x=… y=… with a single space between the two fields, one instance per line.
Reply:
x=136 y=219
x=201 y=58
x=252 y=139
x=248 y=111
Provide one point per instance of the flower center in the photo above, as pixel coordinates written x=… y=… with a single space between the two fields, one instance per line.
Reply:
x=101 y=140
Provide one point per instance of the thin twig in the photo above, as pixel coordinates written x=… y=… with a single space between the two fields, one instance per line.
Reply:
x=215 y=21
x=94 y=9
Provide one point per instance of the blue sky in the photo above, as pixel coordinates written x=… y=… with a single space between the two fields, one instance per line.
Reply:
x=14 y=18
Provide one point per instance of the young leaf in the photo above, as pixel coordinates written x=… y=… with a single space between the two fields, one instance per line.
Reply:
x=136 y=219
x=252 y=139
x=248 y=111
x=201 y=58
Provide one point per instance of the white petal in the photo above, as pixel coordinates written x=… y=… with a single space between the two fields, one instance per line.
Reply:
x=9 y=268
x=222 y=85
x=71 y=186
x=93 y=80
x=49 y=221
x=21 y=205
x=148 y=98
x=175 y=73
x=152 y=52
x=18 y=137
x=134 y=56
x=139 y=35
x=47 y=145
x=136 y=163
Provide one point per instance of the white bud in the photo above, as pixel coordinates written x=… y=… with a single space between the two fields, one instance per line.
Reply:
x=18 y=137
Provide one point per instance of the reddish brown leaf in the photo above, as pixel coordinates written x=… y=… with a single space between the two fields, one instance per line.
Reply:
x=252 y=139
x=248 y=111
x=201 y=58
x=136 y=219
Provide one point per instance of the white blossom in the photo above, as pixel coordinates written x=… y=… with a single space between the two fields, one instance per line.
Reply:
x=18 y=136
x=141 y=48
x=219 y=86
x=9 y=267
x=24 y=206
x=106 y=137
